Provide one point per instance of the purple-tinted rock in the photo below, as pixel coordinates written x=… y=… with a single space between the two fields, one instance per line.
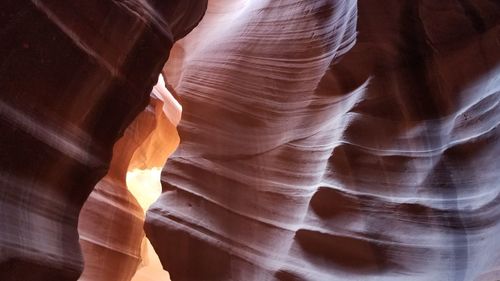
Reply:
x=335 y=140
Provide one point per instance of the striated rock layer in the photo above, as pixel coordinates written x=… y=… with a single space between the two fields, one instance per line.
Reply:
x=335 y=140
x=143 y=177
x=73 y=75
x=111 y=221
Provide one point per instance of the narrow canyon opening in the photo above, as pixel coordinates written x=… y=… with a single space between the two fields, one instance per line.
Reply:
x=321 y=140
x=144 y=173
x=141 y=153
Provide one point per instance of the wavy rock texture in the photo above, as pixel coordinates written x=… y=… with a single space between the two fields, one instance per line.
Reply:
x=110 y=228
x=335 y=140
x=143 y=177
x=111 y=221
x=73 y=75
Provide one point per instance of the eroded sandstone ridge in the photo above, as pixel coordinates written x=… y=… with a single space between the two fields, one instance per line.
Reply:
x=335 y=140
x=73 y=75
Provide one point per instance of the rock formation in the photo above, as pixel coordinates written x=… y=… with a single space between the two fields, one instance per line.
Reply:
x=320 y=140
x=111 y=220
x=335 y=140
x=143 y=177
x=73 y=75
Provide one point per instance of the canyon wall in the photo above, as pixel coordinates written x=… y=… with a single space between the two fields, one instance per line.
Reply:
x=73 y=76
x=111 y=220
x=335 y=140
x=320 y=140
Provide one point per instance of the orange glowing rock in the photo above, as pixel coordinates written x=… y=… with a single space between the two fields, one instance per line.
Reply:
x=130 y=187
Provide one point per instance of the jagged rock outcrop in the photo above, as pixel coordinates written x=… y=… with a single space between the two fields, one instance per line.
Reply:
x=335 y=140
x=73 y=75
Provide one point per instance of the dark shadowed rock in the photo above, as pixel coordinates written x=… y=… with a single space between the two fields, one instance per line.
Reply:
x=73 y=75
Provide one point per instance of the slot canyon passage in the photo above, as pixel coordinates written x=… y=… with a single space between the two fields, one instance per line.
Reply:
x=331 y=140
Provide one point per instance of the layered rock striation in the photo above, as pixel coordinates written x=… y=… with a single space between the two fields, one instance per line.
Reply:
x=111 y=220
x=73 y=76
x=335 y=140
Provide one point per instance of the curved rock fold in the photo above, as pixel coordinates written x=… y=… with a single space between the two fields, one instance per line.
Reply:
x=334 y=140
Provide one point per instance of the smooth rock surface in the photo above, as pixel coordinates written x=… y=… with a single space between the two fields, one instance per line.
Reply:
x=111 y=221
x=143 y=177
x=73 y=75
x=335 y=140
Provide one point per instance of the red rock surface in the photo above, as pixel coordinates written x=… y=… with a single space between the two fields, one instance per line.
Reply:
x=73 y=75
x=111 y=220
x=320 y=140
x=335 y=140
